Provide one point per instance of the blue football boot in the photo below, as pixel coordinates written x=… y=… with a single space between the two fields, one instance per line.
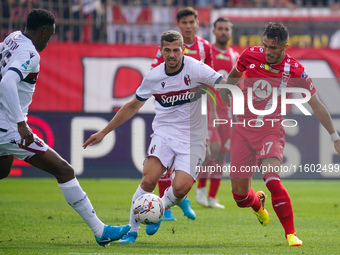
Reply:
x=112 y=233
x=187 y=210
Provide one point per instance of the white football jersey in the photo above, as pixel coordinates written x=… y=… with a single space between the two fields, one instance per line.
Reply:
x=178 y=99
x=18 y=54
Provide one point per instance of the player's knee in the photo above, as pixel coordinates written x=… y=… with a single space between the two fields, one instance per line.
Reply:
x=215 y=148
x=5 y=166
x=148 y=183
x=181 y=192
x=65 y=172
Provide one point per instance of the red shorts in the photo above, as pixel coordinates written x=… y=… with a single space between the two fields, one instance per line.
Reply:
x=223 y=132
x=250 y=145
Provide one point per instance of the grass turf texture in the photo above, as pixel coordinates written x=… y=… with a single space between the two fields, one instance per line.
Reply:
x=35 y=219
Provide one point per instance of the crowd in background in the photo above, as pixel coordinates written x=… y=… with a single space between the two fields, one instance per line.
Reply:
x=87 y=20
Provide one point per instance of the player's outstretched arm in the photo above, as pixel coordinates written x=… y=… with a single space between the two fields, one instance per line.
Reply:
x=325 y=119
x=233 y=77
x=124 y=114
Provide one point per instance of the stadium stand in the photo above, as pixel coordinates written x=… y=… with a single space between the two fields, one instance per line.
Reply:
x=141 y=21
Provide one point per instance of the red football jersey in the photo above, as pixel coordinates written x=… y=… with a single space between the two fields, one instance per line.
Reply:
x=223 y=61
x=264 y=78
x=200 y=50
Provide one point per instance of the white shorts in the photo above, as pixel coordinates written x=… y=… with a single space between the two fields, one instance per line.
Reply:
x=188 y=157
x=12 y=148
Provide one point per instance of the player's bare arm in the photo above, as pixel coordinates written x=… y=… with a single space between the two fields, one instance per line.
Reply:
x=232 y=79
x=213 y=114
x=124 y=114
x=234 y=76
x=325 y=119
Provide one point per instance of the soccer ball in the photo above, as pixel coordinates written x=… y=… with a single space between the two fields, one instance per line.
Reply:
x=148 y=209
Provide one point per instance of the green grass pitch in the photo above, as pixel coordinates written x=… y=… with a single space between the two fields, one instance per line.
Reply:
x=35 y=219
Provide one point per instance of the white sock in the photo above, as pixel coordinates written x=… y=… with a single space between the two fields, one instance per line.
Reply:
x=169 y=198
x=79 y=201
x=133 y=223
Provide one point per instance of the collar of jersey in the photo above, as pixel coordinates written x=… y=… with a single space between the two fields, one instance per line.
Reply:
x=177 y=72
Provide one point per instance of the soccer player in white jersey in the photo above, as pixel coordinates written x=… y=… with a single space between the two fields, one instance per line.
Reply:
x=200 y=49
x=19 y=69
x=179 y=127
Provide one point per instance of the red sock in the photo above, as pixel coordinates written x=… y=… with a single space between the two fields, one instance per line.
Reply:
x=164 y=183
x=281 y=202
x=214 y=185
x=202 y=182
x=248 y=200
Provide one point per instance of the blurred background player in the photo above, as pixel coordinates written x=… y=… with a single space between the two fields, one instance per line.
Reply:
x=19 y=72
x=200 y=49
x=224 y=59
x=262 y=143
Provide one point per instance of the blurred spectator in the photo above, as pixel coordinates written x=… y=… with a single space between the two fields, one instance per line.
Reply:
x=87 y=18
x=274 y=4
x=213 y=4
x=334 y=41
x=181 y=3
x=314 y=3
x=4 y=21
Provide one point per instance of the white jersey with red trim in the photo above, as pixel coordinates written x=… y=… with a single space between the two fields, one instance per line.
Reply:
x=263 y=78
x=18 y=54
x=178 y=99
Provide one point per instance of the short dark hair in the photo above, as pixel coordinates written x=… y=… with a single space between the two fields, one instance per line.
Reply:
x=276 y=31
x=170 y=36
x=39 y=18
x=222 y=19
x=186 y=11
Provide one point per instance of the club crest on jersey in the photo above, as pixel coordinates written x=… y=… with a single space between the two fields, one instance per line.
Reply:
x=163 y=84
x=269 y=68
x=202 y=56
x=285 y=77
x=187 y=79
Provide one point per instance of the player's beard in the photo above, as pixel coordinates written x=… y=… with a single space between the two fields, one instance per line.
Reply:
x=223 y=40
x=271 y=60
x=274 y=59
x=175 y=65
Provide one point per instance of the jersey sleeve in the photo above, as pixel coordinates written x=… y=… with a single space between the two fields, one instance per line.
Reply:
x=304 y=81
x=158 y=60
x=208 y=75
x=25 y=63
x=144 y=91
x=241 y=64
x=9 y=91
